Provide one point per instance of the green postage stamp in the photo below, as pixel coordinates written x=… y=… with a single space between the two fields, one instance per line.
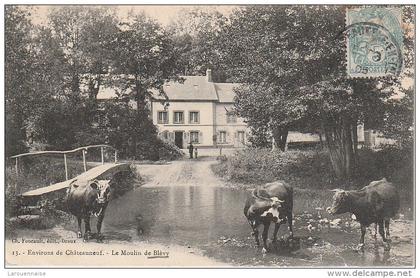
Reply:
x=374 y=42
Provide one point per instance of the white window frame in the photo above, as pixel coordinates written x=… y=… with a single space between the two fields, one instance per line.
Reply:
x=243 y=136
x=198 y=136
x=190 y=118
x=175 y=118
x=224 y=137
x=162 y=121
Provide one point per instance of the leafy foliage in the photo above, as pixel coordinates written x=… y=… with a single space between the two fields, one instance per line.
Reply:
x=312 y=169
x=198 y=35
x=292 y=60
x=55 y=72
x=18 y=78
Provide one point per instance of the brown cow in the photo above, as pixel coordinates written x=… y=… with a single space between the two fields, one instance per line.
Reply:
x=86 y=199
x=374 y=203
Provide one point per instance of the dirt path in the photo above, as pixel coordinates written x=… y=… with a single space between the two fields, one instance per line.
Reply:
x=180 y=173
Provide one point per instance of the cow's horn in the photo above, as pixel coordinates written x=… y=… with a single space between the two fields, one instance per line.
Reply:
x=336 y=190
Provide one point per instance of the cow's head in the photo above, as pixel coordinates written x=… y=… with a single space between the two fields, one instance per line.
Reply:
x=103 y=190
x=340 y=202
x=273 y=212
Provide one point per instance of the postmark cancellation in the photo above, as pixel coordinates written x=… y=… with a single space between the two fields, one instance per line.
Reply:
x=374 y=42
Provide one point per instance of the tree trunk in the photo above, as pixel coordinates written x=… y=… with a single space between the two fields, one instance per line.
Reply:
x=141 y=107
x=321 y=142
x=279 y=140
x=341 y=141
x=355 y=139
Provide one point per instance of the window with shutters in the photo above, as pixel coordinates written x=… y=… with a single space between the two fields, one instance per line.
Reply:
x=222 y=137
x=178 y=117
x=162 y=117
x=194 y=137
x=241 y=137
x=171 y=136
x=165 y=135
x=194 y=117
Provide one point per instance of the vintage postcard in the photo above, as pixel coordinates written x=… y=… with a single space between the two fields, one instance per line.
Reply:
x=209 y=136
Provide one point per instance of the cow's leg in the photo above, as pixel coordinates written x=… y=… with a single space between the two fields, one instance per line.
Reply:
x=362 y=236
x=376 y=230
x=255 y=233
x=265 y=236
x=276 y=230
x=79 y=227
x=88 y=232
x=387 y=234
x=99 y=225
x=382 y=233
x=290 y=222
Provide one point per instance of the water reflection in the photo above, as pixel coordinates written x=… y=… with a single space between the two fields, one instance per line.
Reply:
x=180 y=214
x=200 y=216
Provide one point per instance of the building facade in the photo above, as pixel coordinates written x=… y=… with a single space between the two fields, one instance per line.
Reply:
x=200 y=111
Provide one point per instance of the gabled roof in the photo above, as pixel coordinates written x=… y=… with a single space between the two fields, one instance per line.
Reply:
x=193 y=88
x=225 y=91
x=199 y=89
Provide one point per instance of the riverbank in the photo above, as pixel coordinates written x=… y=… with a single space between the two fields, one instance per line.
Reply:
x=311 y=169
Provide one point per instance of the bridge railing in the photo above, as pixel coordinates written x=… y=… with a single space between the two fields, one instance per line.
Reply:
x=65 y=153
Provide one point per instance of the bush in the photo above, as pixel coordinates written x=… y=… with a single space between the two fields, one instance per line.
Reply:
x=312 y=168
x=123 y=182
x=156 y=149
x=303 y=168
x=391 y=162
x=168 y=151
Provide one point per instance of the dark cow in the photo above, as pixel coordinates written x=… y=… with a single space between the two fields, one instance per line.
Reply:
x=375 y=203
x=86 y=199
x=272 y=202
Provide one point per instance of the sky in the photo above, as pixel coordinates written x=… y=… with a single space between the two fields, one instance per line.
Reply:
x=164 y=14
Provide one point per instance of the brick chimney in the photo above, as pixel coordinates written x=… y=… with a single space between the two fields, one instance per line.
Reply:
x=208 y=75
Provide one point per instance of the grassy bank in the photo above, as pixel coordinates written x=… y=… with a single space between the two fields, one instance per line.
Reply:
x=312 y=168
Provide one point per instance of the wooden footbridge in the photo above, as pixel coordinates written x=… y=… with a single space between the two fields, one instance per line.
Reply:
x=104 y=171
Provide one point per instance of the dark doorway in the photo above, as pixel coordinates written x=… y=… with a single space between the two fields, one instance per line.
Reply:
x=178 y=139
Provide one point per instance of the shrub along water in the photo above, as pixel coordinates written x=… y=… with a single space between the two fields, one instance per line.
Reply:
x=255 y=166
x=312 y=168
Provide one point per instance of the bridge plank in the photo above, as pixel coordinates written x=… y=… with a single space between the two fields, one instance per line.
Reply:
x=104 y=171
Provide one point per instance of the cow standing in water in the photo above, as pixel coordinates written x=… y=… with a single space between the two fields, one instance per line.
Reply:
x=85 y=199
x=270 y=203
x=375 y=203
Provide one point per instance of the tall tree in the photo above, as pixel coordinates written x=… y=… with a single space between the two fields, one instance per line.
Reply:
x=271 y=48
x=292 y=60
x=196 y=34
x=18 y=71
x=144 y=59
x=85 y=35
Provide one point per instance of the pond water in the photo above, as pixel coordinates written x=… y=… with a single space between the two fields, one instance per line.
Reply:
x=211 y=218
